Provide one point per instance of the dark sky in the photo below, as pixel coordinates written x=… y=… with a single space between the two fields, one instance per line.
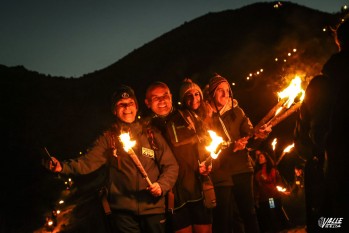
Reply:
x=70 y=38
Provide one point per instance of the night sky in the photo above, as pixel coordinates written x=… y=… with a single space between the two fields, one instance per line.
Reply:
x=73 y=38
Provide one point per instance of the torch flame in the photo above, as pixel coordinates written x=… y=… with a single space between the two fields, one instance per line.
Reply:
x=126 y=141
x=288 y=148
x=280 y=189
x=216 y=141
x=292 y=91
x=274 y=143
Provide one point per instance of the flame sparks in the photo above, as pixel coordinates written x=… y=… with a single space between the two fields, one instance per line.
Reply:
x=126 y=141
x=216 y=141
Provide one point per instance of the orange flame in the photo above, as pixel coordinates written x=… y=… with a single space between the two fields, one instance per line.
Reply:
x=274 y=143
x=288 y=148
x=281 y=189
x=126 y=141
x=292 y=91
x=216 y=141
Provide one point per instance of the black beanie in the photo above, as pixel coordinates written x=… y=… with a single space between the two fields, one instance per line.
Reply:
x=123 y=92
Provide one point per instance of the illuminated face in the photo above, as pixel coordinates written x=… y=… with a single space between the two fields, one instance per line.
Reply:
x=222 y=95
x=192 y=99
x=261 y=159
x=126 y=110
x=159 y=100
x=298 y=172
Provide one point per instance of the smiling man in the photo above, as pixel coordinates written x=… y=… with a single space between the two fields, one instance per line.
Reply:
x=182 y=132
x=135 y=205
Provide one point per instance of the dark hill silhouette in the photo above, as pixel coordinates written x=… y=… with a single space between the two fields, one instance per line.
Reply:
x=67 y=114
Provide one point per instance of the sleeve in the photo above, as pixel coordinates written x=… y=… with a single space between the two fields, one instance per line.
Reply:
x=246 y=127
x=168 y=165
x=90 y=162
x=311 y=123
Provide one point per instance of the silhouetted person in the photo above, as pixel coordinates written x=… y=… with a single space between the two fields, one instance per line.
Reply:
x=337 y=69
x=310 y=135
x=320 y=138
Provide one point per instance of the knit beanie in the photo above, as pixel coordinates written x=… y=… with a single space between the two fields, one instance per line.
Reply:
x=187 y=85
x=214 y=83
x=123 y=92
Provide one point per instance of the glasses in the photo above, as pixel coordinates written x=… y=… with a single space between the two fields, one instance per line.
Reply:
x=159 y=98
x=125 y=105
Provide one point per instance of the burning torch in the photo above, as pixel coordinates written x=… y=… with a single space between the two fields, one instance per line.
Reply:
x=127 y=145
x=214 y=148
x=286 y=106
x=286 y=150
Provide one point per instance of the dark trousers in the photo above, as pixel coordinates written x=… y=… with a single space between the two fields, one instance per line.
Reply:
x=235 y=211
x=314 y=187
x=272 y=218
x=126 y=222
x=223 y=212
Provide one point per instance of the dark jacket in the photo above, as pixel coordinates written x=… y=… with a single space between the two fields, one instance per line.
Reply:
x=337 y=68
x=127 y=188
x=228 y=162
x=183 y=139
x=313 y=120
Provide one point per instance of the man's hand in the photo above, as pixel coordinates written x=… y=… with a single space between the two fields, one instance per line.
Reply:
x=52 y=164
x=263 y=132
x=205 y=170
x=240 y=144
x=155 y=189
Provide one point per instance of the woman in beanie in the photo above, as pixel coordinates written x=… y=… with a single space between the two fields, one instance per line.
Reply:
x=232 y=171
x=192 y=98
x=135 y=205
x=181 y=128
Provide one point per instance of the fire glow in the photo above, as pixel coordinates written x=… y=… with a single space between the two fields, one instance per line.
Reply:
x=274 y=143
x=215 y=143
x=286 y=150
x=292 y=91
x=126 y=141
x=286 y=105
x=127 y=145
x=280 y=189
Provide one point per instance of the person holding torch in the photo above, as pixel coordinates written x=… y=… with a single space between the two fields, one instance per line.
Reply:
x=137 y=185
x=232 y=171
x=182 y=130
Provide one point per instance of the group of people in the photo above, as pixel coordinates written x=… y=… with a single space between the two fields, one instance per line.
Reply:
x=162 y=191
x=170 y=145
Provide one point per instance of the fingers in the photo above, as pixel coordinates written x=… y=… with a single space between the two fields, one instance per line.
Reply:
x=55 y=165
x=205 y=170
x=155 y=189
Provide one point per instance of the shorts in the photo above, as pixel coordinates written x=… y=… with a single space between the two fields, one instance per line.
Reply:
x=192 y=213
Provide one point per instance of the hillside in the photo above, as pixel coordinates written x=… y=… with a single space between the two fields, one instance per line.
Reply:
x=66 y=115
